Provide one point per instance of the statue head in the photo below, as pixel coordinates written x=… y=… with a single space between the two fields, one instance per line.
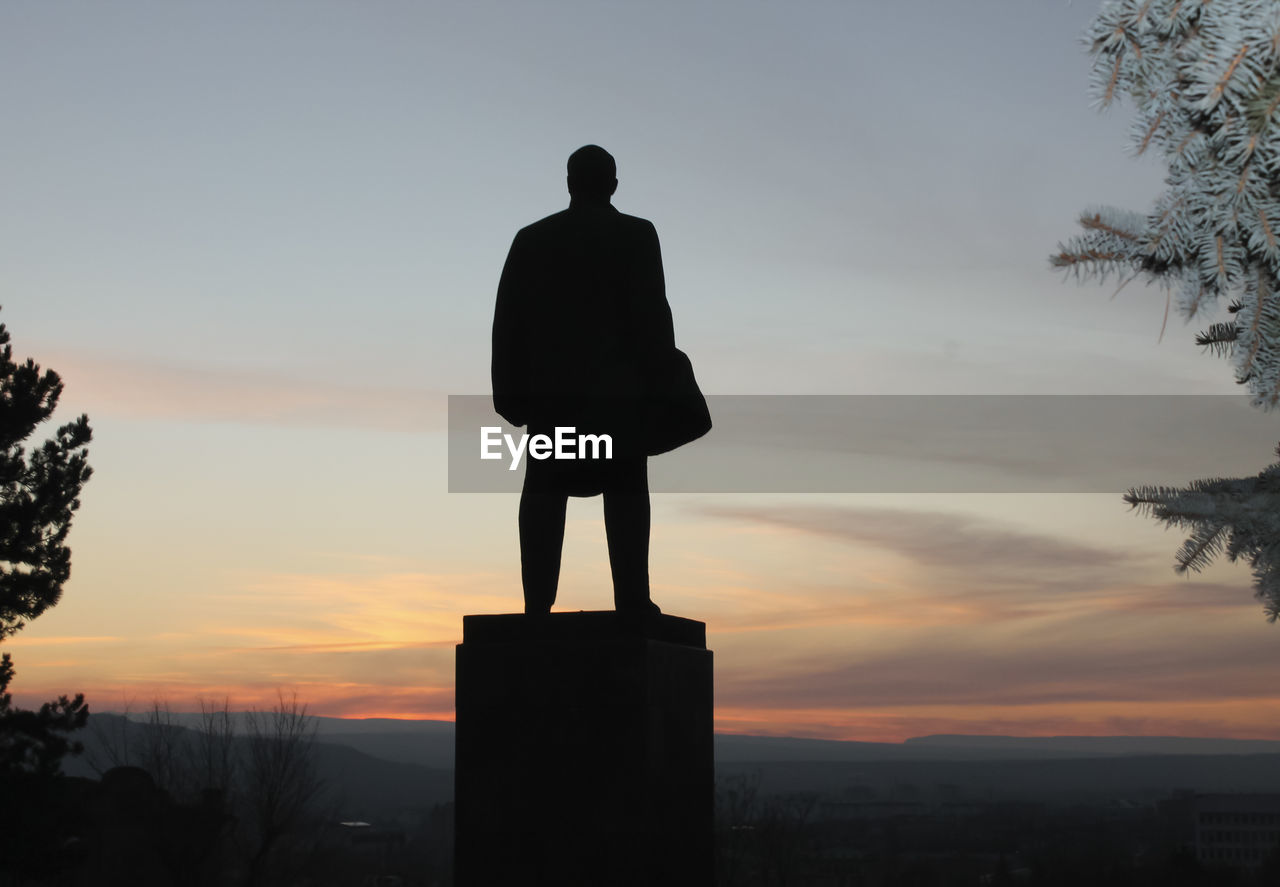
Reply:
x=592 y=173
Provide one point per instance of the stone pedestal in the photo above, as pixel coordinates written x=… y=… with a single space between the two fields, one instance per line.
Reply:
x=584 y=751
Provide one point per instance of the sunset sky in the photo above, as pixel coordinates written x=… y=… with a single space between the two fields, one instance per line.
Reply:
x=260 y=242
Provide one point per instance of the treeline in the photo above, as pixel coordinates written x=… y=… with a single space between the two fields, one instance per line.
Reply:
x=214 y=798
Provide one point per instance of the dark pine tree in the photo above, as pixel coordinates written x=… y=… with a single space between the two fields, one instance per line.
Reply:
x=39 y=492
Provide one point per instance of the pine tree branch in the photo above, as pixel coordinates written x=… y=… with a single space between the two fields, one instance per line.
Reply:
x=1200 y=549
x=1151 y=131
x=1094 y=222
x=1219 y=338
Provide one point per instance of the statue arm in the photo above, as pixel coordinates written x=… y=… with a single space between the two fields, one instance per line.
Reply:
x=509 y=367
x=659 y=330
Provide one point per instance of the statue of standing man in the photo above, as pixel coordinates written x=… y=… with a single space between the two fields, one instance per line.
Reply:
x=583 y=338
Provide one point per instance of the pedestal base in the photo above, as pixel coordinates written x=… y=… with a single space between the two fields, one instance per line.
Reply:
x=584 y=751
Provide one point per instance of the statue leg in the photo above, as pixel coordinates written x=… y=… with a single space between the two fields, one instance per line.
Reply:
x=541 y=540
x=626 y=526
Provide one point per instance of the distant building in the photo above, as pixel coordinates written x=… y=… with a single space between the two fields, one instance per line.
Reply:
x=1236 y=830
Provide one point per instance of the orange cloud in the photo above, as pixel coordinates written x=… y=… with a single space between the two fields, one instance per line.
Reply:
x=349 y=700
x=1241 y=719
x=815 y=633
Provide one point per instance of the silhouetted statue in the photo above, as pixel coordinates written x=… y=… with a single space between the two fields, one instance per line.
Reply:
x=583 y=338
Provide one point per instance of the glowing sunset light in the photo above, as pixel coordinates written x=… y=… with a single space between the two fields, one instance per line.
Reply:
x=263 y=297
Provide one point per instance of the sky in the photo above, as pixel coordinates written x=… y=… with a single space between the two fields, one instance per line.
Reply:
x=260 y=243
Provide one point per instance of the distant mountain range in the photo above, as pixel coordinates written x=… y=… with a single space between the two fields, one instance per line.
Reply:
x=376 y=766
x=430 y=744
x=1075 y=746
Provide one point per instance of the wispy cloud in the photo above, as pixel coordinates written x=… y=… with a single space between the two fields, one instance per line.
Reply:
x=133 y=388
x=1244 y=719
x=351 y=699
x=915 y=617
x=364 y=643
x=397 y=608
x=962 y=544
x=897 y=568
x=918 y=567
x=840 y=621
x=1089 y=663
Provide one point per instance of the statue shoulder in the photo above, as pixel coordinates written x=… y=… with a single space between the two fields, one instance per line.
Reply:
x=637 y=230
x=636 y=222
x=553 y=222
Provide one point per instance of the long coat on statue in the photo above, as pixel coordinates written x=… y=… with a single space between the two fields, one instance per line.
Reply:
x=582 y=327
